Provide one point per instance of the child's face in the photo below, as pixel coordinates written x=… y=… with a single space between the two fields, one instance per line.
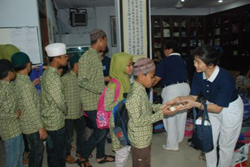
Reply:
x=129 y=68
x=63 y=60
x=148 y=80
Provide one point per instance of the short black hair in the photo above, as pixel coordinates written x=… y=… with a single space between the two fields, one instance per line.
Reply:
x=5 y=67
x=172 y=44
x=51 y=59
x=208 y=54
x=20 y=67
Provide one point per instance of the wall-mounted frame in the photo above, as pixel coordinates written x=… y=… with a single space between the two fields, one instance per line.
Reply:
x=135 y=27
x=113 y=31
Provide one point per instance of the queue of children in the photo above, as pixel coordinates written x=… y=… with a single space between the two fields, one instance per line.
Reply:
x=54 y=115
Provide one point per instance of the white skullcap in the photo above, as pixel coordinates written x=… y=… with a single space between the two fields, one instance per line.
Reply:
x=55 y=49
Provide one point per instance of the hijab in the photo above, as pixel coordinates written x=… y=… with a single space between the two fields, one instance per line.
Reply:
x=118 y=66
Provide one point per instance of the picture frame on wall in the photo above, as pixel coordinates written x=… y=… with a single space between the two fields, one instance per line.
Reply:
x=113 y=31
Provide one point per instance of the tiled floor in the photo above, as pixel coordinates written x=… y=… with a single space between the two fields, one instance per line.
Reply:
x=185 y=157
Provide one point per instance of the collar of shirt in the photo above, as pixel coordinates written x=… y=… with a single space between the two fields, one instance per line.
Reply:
x=213 y=76
x=138 y=86
x=93 y=50
x=174 y=54
x=3 y=82
x=25 y=77
x=72 y=73
x=52 y=69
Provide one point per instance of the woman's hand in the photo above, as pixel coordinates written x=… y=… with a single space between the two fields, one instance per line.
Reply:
x=188 y=104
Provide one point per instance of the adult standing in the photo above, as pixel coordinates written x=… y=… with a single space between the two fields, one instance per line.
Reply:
x=172 y=72
x=224 y=105
x=91 y=82
x=106 y=65
x=53 y=104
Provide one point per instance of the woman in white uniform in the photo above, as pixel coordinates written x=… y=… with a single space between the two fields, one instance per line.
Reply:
x=224 y=105
x=172 y=72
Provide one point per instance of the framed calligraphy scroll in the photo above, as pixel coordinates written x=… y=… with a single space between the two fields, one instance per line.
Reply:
x=135 y=21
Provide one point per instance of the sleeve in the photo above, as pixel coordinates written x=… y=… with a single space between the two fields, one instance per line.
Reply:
x=160 y=69
x=109 y=103
x=196 y=86
x=156 y=107
x=85 y=75
x=5 y=107
x=136 y=112
x=224 y=93
x=55 y=90
x=28 y=102
x=64 y=85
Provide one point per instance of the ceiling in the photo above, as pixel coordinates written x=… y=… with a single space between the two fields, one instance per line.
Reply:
x=61 y=4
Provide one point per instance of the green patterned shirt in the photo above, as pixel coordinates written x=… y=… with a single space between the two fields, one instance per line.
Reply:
x=71 y=91
x=53 y=104
x=9 y=126
x=29 y=103
x=91 y=79
x=141 y=118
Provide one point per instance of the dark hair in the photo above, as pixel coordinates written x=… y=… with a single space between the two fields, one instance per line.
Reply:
x=93 y=42
x=207 y=54
x=106 y=50
x=20 y=67
x=51 y=59
x=172 y=44
x=5 y=67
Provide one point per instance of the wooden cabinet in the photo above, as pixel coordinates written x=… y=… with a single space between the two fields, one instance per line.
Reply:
x=189 y=31
x=229 y=30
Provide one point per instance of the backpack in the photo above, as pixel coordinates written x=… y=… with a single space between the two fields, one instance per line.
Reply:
x=121 y=119
x=102 y=116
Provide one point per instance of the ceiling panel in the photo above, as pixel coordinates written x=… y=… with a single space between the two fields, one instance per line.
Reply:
x=154 y=3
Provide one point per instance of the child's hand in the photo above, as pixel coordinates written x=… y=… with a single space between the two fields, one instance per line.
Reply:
x=36 y=81
x=43 y=133
x=18 y=113
x=166 y=109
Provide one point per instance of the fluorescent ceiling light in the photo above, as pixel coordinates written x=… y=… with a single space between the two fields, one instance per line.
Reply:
x=220 y=1
x=182 y=0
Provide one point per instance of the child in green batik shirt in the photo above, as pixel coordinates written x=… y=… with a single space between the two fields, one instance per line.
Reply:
x=9 y=129
x=28 y=102
x=54 y=108
x=74 y=119
x=141 y=118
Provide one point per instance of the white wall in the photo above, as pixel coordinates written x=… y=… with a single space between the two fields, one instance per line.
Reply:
x=79 y=36
x=16 y=13
x=103 y=21
x=51 y=22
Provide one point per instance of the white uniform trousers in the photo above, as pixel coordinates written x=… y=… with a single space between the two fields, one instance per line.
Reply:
x=121 y=156
x=175 y=124
x=226 y=127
